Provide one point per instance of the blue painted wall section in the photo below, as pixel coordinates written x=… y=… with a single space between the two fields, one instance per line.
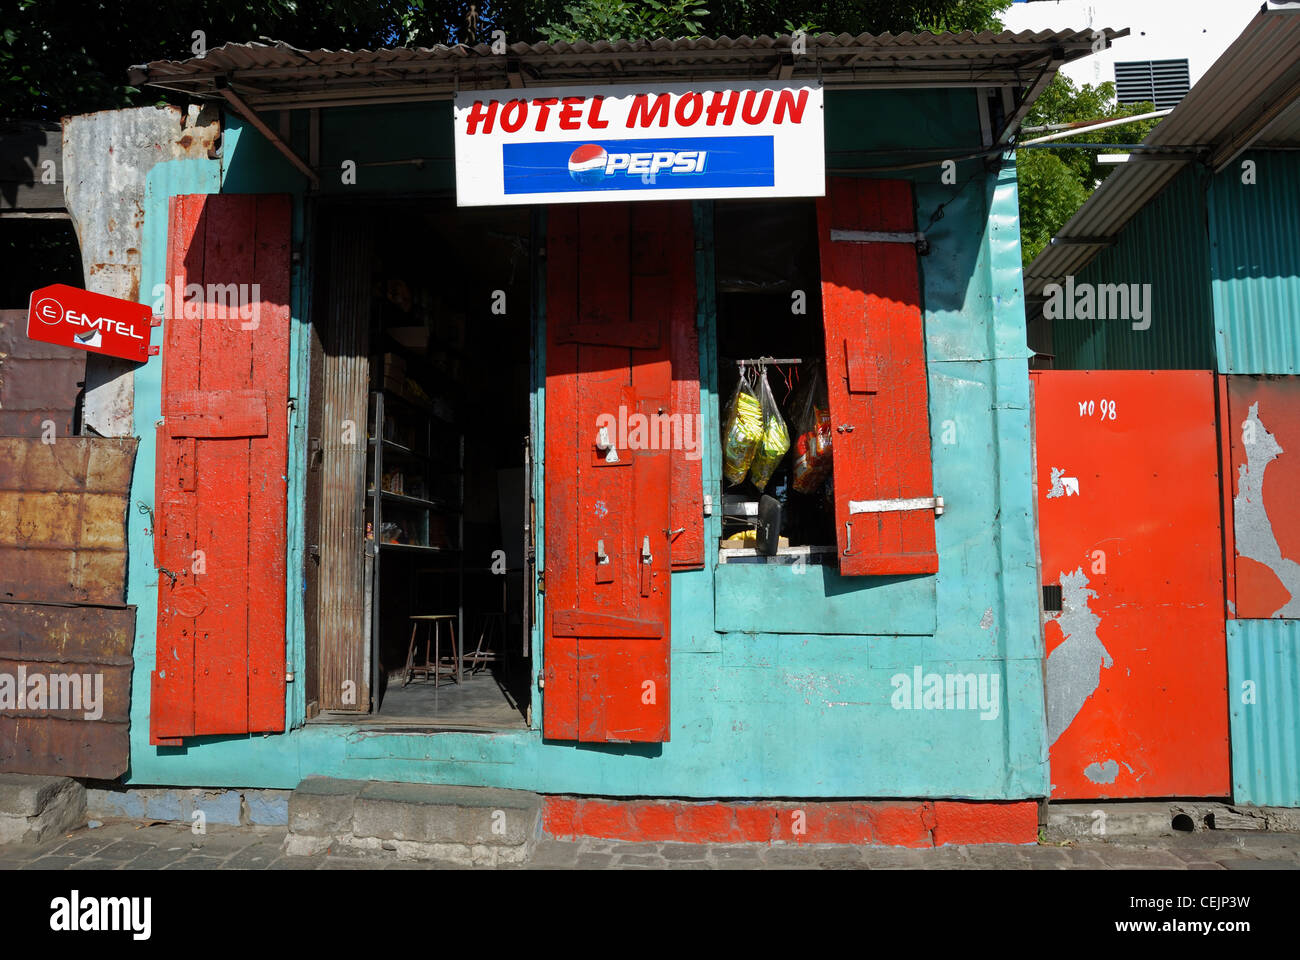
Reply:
x=1264 y=711
x=1255 y=264
x=754 y=713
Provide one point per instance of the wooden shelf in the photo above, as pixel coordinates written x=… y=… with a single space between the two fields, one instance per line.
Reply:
x=405 y=451
x=417 y=547
x=439 y=506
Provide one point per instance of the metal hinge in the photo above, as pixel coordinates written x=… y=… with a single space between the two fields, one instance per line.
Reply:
x=891 y=506
x=918 y=240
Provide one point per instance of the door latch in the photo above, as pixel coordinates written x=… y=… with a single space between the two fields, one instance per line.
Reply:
x=604 y=569
x=646 y=559
x=606 y=446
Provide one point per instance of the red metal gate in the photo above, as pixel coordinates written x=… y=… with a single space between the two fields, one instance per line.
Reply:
x=620 y=329
x=220 y=502
x=1129 y=531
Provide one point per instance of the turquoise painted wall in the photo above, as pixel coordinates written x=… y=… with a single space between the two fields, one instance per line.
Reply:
x=754 y=714
x=1264 y=711
x=1255 y=263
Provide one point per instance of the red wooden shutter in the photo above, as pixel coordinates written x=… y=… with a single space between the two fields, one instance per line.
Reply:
x=876 y=378
x=221 y=496
x=614 y=292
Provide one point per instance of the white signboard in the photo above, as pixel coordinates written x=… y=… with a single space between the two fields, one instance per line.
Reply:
x=684 y=141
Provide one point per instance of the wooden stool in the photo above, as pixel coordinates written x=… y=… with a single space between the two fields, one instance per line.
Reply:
x=494 y=625
x=435 y=668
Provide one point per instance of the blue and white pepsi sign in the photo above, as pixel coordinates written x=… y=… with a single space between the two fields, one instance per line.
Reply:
x=571 y=145
x=684 y=163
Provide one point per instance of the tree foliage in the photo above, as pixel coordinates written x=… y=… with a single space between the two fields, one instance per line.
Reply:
x=60 y=57
x=627 y=19
x=1054 y=183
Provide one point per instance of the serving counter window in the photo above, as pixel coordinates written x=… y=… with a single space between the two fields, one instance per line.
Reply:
x=821 y=352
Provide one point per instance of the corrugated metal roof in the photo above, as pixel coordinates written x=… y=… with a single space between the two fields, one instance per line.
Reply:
x=276 y=75
x=1249 y=97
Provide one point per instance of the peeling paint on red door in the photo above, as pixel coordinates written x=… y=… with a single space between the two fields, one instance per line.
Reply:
x=220 y=505
x=1264 y=433
x=611 y=304
x=1128 y=499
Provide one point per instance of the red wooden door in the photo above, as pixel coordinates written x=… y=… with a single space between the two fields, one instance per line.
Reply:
x=876 y=379
x=1128 y=505
x=220 y=499
x=619 y=283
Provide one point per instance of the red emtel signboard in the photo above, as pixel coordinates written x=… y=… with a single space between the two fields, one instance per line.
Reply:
x=90 y=321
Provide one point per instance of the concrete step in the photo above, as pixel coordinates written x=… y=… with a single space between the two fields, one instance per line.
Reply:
x=477 y=826
x=1076 y=821
x=35 y=809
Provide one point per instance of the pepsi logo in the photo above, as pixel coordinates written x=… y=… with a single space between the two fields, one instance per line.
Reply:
x=587 y=164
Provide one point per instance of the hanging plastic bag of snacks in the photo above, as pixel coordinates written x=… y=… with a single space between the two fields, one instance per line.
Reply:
x=744 y=430
x=811 y=418
x=775 y=440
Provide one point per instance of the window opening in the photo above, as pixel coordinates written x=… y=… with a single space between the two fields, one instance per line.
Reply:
x=771 y=341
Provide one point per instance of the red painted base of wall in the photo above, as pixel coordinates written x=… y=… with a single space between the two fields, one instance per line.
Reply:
x=904 y=823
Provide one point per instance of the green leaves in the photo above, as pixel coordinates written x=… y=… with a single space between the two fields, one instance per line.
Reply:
x=1054 y=183
x=593 y=20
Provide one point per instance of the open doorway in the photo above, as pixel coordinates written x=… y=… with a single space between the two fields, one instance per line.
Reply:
x=428 y=605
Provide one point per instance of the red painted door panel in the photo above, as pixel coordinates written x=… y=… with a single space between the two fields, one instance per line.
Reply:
x=1264 y=431
x=876 y=379
x=609 y=473
x=221 y=496
x=1128 y=502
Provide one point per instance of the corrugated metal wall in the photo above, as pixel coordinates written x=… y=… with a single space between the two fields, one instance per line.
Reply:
x=1255 y=263
x=1165 y=245
x=1264 y=706
x=342 y=605
x=63 y=509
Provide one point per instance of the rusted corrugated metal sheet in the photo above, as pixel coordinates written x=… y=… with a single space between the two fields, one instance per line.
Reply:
x=80 y=725
x=1264 y=699
x=1129 y=502
x=1264 y=431
x=341 y=614
x=107 y=157
x=39 y=382
x=63 y=519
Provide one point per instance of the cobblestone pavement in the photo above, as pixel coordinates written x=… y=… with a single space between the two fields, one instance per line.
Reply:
x=134 y=846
